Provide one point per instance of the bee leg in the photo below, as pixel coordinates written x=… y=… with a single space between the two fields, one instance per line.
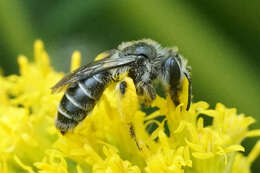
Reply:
x=187 y=75
x=132 y=134
x=122 y=87
x=146 y=90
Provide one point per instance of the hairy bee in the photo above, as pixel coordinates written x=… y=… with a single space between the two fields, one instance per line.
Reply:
x=144 y=61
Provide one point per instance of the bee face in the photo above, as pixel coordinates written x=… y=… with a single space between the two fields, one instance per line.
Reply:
x=144 y=61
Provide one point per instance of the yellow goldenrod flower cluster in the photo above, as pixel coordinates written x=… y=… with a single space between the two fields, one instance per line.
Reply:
x=117 y=136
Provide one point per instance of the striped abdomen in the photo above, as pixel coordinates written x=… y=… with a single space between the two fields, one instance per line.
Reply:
x=80 y=100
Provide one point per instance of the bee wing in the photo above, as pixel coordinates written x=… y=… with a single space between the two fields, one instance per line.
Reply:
x=90 y=70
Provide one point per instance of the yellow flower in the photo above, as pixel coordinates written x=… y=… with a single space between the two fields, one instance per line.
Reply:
x=118 y=136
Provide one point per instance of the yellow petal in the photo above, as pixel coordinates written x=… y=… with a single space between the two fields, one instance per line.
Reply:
x=195 y=147
x=79 y=170
x=203 y=156
x=75 y=60
x=38 y=49
x=181 y=127
x=23 y=64
x=254 y=153
x=253 y=133
x=22 y=165
x=234 y=148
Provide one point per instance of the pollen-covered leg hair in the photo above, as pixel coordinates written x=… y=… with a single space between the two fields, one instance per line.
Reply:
x=147 y=91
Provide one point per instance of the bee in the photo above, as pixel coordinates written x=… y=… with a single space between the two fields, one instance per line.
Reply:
x=145 y=61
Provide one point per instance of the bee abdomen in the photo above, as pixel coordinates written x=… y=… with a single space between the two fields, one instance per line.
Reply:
x=80 y=100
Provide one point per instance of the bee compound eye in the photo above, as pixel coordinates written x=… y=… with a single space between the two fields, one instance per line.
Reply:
x=173 y=69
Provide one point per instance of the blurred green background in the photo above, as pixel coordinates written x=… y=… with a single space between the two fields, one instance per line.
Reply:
x=219 y=38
